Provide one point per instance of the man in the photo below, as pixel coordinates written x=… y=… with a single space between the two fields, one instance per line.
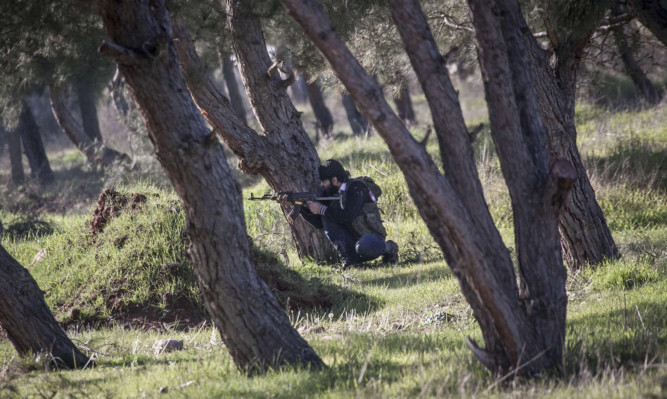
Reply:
x=352 y=224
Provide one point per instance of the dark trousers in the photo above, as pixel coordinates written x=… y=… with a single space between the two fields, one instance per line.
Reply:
x=351 y=249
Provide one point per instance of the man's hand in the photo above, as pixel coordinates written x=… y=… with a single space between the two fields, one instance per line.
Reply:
x=314 y=207
x=282 y=198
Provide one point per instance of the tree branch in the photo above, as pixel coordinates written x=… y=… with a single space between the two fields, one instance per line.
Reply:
x=120 y=54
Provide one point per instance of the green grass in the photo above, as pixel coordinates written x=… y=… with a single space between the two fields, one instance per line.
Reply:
x=388 y=331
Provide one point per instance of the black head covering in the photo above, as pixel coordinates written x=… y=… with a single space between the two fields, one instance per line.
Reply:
x=332 y=168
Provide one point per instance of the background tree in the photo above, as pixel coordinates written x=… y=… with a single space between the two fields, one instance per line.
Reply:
x=358 y=123
x=524 y=326
x=33 y=145
x=29 y=323
x=653 y=15
x=54 y=44
x=257 y=332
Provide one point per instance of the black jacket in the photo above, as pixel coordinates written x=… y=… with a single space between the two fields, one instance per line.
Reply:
x=355 y=194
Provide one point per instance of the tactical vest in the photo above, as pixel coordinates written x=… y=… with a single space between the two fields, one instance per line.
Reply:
x=369 y=220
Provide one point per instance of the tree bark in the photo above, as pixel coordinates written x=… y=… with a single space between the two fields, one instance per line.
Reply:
x=96 y=152
x=523 y=329
x=29 y=323
x=323 y=116
x=15 y=157
x=586 y=238
x=88 y=106
x=646 y=89
x=358 y=122
x=283 y=154
x=653 y=15
x=228 y=73
x=116 y=91
x=34 y=147
x=256 y=331
x=403 y=104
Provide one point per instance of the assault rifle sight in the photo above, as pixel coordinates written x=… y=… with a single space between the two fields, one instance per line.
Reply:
x=297 y=199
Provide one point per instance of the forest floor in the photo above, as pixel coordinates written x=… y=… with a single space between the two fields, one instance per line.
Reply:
x=383 y=331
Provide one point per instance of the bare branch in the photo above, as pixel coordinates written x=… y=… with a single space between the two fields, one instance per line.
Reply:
x=120 y=54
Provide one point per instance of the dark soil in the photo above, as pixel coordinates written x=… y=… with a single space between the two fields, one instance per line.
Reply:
x=110 y=204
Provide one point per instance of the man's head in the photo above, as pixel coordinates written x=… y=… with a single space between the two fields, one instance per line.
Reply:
x=332 y=175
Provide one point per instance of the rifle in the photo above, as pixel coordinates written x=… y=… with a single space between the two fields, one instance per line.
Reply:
x=295 y=198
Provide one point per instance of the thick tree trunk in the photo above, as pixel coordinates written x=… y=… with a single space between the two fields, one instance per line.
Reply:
x=88 y=106
x=524 y=331
x=287 y=159
x=646 y=89
x=228 y=73
x=15 y=156
x=34 y=147
x=284 y=156
x=403 y=104
x=96 y=152
x=358 y=122
x=653 y=15
x=323 y=116
x=586 y=238
x=29 y=323
x=256 y=331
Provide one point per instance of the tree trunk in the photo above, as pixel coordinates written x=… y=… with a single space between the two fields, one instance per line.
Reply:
x=34 y=147
x=256 y=331
x=523 y=329
x=88 y=106
x=358 y=122
x=96 y=152
x=404 y=105
x=284 y=154
x=235 y=99
x=646 y=89
x=29 y=323
x=653 y=15
x=15 y=157
x=323 y=116
x=586 y=238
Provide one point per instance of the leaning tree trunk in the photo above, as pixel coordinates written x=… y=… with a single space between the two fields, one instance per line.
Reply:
x=88 y=106
x=255 y=329
x=523 y=329
x=29 y=323
x=404 y=105
x=34 y=147
x=323 y=116
x=284 y=156
x=586 y=238
x=228 y=73
x=96 y=152
x=358 y=122
x=653 y=15
x=15 y=157
x=646 y=89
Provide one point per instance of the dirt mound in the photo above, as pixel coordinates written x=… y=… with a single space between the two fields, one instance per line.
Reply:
x=110 y=204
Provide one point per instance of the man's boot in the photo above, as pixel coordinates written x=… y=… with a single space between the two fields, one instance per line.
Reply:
x=390 y=253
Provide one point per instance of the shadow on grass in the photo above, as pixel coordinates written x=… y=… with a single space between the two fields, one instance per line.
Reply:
x=616 y=337
x=299 y=293
x=407 y=279
x=635 y=162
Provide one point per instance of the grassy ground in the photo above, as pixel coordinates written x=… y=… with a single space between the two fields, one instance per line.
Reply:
x=383 y=331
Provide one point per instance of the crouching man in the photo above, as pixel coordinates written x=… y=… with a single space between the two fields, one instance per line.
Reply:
x=353 y=223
